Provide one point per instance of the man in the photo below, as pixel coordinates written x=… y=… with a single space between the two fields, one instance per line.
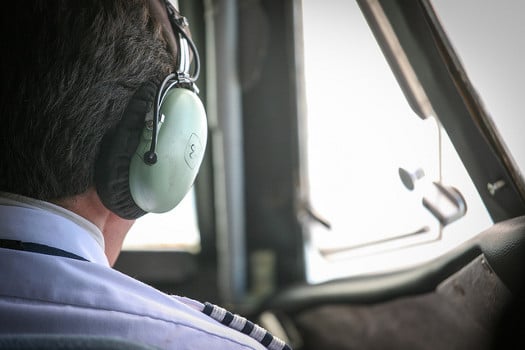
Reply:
x=69 y=71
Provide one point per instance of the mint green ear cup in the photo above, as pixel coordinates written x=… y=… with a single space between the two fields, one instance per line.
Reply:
x=182 y=136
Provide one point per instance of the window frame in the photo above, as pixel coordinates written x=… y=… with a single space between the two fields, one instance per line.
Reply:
x=453 y=98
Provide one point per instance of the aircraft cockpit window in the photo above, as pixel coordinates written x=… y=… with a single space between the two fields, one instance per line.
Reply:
x=491 y=47
x=387 y=189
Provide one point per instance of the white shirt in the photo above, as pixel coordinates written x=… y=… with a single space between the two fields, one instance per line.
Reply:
x=42 y=293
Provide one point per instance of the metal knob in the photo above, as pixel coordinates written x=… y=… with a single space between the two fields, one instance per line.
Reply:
x=409 y=179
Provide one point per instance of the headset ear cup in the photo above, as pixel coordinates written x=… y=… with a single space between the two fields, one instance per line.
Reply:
x=181 y=142
x=117 y=149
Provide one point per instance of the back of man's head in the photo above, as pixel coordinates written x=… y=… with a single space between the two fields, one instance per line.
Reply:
x=69 y=68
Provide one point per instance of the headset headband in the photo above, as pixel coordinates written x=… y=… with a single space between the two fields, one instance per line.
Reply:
x=176 y=32
x=180 y=28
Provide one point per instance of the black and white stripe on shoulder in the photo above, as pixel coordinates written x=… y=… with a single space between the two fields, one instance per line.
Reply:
x=247 y=327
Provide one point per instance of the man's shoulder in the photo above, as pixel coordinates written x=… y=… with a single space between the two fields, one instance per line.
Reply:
x=100 y=300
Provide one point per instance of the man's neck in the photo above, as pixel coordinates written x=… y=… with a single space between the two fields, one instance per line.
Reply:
x=114 y=229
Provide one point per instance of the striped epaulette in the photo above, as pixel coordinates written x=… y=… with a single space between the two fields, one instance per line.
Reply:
x=244 y=326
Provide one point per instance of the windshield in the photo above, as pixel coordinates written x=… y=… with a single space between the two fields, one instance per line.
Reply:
x=491 y=46
x=373 y=164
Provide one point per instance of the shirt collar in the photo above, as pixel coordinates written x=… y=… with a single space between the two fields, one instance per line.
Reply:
x=31 y=220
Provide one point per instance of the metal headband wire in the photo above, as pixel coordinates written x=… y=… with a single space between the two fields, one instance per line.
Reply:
x=181 y=77
x=178 y=23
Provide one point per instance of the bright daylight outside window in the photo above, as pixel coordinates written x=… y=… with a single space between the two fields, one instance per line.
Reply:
x=174 y=230
x=491 y=48
x=362 y=139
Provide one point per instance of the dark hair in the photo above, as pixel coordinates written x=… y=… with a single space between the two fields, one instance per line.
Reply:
x=69 y=68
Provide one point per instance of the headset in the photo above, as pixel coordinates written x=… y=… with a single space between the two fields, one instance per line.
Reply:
x=149 y=161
